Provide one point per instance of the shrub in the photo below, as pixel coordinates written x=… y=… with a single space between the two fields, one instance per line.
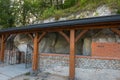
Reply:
x=70 y=3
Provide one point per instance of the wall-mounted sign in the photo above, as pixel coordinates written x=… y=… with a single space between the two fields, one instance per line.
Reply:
x=106 y=49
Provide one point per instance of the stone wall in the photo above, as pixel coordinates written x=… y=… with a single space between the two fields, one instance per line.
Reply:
x=63 y=60
x=59 y=64
x=88 y=63
x=48 y=62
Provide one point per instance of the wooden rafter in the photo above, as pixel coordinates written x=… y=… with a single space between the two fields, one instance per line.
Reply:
x=116 y=31
x=31 y=36
x=41 y=36
x=65 y=36
x=80 y=35
x=6 y=37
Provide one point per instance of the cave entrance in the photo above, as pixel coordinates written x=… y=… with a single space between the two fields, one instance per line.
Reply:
x=15 y=56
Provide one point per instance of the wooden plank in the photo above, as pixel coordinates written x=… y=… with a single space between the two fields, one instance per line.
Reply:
x=65 y=36
x=72 y=55
x=80 y=35
x=116 y=31
x=35 y=53
x=2 y=48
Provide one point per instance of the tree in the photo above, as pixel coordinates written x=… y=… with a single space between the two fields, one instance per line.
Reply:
x=8 y=13
x=23 y=12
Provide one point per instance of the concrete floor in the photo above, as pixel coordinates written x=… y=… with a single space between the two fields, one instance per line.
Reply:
x=9 y=71
x=88 y=74
x=97 y=74
x=81 y=74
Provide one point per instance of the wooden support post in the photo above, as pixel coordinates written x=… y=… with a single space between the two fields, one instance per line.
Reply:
x=35 y=58
x=2 y=48
x=72 y=55
x=35 y=53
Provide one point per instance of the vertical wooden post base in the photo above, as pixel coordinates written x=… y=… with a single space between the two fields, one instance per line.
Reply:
x=71 y=79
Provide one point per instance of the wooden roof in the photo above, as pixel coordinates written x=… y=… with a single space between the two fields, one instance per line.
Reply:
x=86 y=23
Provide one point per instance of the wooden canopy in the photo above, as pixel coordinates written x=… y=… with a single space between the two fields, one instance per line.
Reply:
x=39 y=31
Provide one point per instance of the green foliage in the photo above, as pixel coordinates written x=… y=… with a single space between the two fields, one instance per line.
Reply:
x=48 y=12
x=82 y=2
x=8 y=13
x=118 y=7
x=20 y=12
x=118 y=12
x=70 y=3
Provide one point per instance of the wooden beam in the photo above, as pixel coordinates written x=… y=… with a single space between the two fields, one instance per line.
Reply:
x=72 y=55
x=65 y=36
x=2 y=48
x=41 y=36
x=80 y=35
x=31 y=36
x=6 y=37
x=115 y=30
x=35 y=53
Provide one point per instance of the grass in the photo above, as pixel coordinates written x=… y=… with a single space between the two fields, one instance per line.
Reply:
x=82 y=5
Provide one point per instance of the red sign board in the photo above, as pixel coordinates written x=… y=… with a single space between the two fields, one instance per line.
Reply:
x=106 y=49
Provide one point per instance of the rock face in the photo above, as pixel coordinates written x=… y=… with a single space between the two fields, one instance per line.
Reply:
x=105 y=35
x=54 y=43
x=21 y=42
x=87 y=46
x=102 y=10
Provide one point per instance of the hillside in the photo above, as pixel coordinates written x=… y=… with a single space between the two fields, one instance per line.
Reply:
x=15 y=13
x=80 y=7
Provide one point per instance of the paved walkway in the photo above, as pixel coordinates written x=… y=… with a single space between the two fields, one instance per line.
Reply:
x=10 y=71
